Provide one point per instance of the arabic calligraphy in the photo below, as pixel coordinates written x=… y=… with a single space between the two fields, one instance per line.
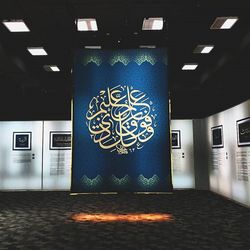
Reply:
x=121 y=119
x=65 y=139
x=22 y=139
x=245 y=131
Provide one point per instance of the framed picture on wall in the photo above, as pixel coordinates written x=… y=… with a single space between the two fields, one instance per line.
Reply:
x=176 y=139
x=60 y=140
x=217 y=137
x=243 y=132
x=22 y=140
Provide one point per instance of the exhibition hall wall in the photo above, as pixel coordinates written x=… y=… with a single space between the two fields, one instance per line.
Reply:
x=228 y=136
x=35 y=155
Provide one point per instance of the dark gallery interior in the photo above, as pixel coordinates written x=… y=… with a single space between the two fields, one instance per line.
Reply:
x=124 y=124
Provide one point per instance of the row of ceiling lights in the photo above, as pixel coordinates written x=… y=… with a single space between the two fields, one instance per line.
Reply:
x=83 y=24
x=219 y=23
x=152 y=23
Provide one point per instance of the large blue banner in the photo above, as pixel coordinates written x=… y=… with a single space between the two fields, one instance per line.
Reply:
x=121 y=121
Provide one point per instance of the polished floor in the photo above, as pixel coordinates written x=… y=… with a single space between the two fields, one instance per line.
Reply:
x=199 y=220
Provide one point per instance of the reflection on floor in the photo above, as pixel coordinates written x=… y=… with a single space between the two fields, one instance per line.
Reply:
x=117 y=217
x=199 y=220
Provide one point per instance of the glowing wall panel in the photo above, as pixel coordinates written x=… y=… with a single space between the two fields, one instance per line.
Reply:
x=21 y=155
x=229 y=165
x=120 y=121
x=183 y=156
x=57 y=155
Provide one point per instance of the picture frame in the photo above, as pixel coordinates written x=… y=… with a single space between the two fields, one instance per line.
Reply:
x=243 y=132
x=22 y=141
x=60 y=140
x=217 y=137
x=176 y=139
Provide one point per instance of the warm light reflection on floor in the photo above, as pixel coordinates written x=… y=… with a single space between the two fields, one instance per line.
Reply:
x=112 y=217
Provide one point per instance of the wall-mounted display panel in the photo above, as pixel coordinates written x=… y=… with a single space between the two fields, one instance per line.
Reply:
x=21 y=155
x=176 y=138
x=57 y=155
x=182 y=154
x=22 y=140
x=60 y=140
x=243 y=132
x=217 y=136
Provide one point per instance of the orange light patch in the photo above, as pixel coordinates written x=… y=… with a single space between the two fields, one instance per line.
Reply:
x=82 y=217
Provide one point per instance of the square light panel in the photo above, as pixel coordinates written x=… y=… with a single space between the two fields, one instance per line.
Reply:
x=147 y=46
x=152 y=23
x=16 y=26
x=51 y=68
x=37 y=51
x=224 y=23
x=86 y=24
x=190 y=66
x=203 y=49
x=92 y=47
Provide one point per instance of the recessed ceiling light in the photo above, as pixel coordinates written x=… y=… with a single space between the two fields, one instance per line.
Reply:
x=224 y=23
x=54 y=68
x=152 y=23
x=207 y=49
x=16 y=26
x=203 y=49
x=92 y=47
x=147 y=46
x=86 y=24
x=37 y=51
x=229 y=23
x=50 y=68
x=190 y=66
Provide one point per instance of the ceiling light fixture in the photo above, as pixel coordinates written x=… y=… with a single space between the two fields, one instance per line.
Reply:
x=16 y=26
x=37 y=51
x=86 y=24
x=207 y=49
x=224 y=22
x=190 y=66
x=152 y=23
x=51 y=68
x=203 y=49
x=147 y=46
x=92 y=47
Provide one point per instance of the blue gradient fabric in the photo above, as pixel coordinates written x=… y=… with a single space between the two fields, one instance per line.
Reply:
x=121 y=121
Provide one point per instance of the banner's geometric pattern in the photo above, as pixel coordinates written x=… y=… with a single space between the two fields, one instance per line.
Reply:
x=148 y=182
x=91 y=183
x=125 y=58
x=120 y=181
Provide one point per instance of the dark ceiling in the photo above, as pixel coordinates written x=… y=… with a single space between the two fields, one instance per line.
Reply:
x=221 y=80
